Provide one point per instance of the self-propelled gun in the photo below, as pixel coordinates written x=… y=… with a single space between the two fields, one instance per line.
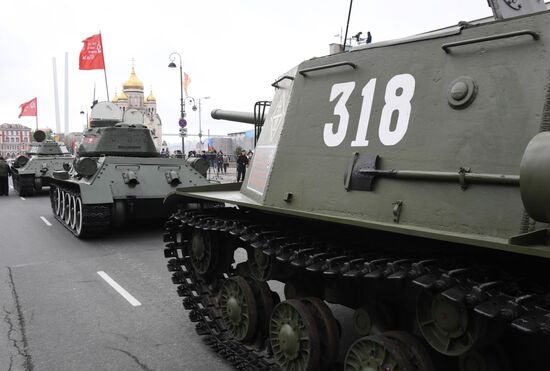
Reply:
x=406 y=180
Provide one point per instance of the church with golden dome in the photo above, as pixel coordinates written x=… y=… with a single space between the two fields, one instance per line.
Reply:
x=132 y=96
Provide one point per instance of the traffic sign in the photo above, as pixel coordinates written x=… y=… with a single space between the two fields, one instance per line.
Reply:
x=183 y=132
x=182 y=123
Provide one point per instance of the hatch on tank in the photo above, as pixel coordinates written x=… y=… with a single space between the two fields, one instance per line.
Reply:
x=132 y=117
x=105 y=114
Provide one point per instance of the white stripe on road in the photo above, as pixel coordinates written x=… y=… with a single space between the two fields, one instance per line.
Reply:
x=23 y=198
x=46 y=221
x=125 y=294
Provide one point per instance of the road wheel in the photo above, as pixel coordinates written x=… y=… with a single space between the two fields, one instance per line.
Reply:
x=294 y=337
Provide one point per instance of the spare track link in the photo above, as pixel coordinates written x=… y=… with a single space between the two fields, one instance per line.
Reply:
x=23 y=184
x=96 y=218
x=492 y=295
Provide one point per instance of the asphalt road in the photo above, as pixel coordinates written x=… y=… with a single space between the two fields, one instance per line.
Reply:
x=60 y=313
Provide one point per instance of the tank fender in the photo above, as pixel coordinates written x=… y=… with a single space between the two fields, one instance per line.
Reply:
x=535 y=178
x=92 y=195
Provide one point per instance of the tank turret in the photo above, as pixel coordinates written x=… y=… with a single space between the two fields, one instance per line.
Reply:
x=113 y=134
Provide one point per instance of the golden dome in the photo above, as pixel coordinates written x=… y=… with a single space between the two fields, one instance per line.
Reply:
x=133 y=82
x=122 y=96
x=115 y=98
x=151 y=97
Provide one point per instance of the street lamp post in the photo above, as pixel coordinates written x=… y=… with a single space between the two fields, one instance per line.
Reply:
x=182 y=109
x=200 y=127
x=189 y=99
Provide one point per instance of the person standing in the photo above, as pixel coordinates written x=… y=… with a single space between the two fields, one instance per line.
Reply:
x=219 y=162
x=5 y=172
x=242 y=163
x=225 y=163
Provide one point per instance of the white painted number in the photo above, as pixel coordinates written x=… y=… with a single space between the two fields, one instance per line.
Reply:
x=333 y=139
x=398 y=96
x=404 y=85
x=368 y=96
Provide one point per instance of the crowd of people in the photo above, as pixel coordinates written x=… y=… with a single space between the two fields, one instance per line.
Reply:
x=219 y=161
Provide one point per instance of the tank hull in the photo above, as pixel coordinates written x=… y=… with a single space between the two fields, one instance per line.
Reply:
x=37 y=173
x=121 y=190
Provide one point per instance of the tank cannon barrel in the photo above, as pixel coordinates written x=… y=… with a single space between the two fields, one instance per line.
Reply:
x=238 y=116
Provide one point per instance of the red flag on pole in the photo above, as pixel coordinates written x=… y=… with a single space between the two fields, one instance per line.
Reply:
x=91 y=55
x=29 y=108
x=186 y=82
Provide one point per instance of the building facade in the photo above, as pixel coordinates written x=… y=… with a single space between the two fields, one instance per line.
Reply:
x=14 y=140
x=133 y=97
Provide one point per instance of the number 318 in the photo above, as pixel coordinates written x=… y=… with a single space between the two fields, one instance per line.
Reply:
x=399 y=92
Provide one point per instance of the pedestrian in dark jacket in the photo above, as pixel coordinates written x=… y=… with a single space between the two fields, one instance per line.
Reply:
x=219 y=162
x=225 y=163
x=5 y=171
x=242 y=163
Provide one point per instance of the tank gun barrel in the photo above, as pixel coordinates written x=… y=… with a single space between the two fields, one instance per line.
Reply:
x=238 y=116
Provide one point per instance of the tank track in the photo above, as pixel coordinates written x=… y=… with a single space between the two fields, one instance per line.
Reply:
x=96 y=218
x=23 y=184
x=492 y=294
x=200 y=298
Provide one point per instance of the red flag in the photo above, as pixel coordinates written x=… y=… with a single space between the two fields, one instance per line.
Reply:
x=186 y=82
x=91 y=55
x=29 y=108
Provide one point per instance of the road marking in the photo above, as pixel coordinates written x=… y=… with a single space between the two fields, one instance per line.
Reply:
x=125 y=294
x=46 y=221
x=23 y=198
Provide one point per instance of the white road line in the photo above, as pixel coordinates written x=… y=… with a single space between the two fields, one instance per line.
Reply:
x=125 y=294
x=23 y=198
x=46 y=221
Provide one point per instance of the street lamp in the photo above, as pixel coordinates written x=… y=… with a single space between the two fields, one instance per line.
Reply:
x=182 y=109
x=200 y=128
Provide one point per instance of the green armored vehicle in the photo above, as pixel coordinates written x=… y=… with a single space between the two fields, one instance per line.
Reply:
x=406 y=180
x=34 y=170
x=118 y=175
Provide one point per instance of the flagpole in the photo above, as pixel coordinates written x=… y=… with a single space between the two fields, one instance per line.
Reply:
x=106 y=86
x=104 y=65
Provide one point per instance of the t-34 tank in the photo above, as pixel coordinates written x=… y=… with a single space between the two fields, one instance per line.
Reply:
x=406 y=180
x=118 y=175
x=34 y=170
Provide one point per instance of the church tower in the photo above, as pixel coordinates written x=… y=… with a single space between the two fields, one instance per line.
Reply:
x=132 y=96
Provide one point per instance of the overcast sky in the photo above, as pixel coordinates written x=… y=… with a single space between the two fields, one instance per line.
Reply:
x=232 y=49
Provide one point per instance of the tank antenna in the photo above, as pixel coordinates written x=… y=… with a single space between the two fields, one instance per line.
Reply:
x=347 y=25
